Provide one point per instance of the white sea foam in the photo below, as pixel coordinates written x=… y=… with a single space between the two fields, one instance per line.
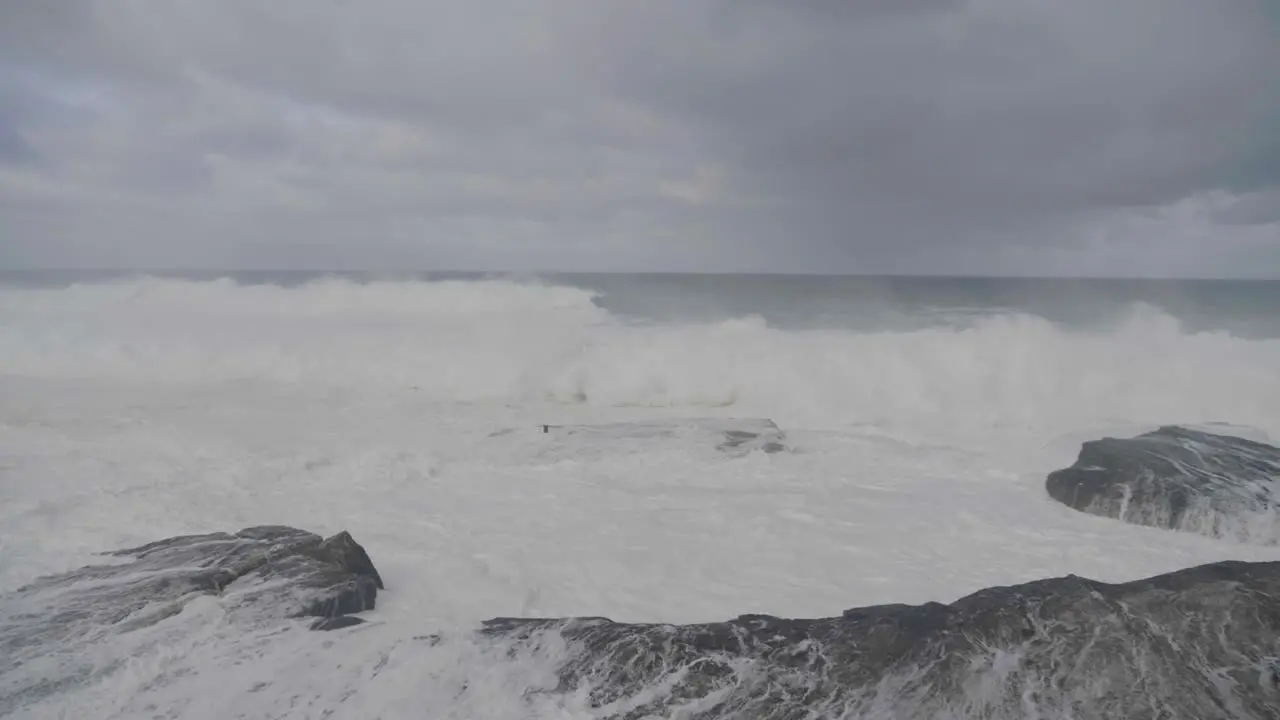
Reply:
x=523 y=343
x=135 y=410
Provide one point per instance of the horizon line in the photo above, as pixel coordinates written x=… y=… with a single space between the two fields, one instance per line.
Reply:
x=684 y=273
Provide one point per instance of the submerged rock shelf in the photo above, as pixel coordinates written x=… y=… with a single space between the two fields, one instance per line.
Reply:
x=734 y=436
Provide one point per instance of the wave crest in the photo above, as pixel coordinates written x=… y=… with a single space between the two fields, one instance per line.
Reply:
x=524 y=342
x=320 y=297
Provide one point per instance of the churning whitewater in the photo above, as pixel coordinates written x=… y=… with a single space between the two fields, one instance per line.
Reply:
x=427 y=418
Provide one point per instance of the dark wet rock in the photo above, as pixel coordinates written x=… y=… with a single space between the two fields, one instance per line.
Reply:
x=336 y=623
x=1180 y=479
x=1198 y=643
x=767 y=438
x=269 y=571
x=260 y=574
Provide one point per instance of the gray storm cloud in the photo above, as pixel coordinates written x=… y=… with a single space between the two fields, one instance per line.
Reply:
x=988 y=136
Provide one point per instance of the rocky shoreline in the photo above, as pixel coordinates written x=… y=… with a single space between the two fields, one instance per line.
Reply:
x=1200 y=642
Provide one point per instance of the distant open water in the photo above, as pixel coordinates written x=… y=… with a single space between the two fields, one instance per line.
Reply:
x=1244 y=308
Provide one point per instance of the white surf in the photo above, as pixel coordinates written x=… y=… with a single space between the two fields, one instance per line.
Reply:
x=410 y=414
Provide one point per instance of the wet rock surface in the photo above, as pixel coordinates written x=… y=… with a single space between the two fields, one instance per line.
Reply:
x=1180 y=479
x=1198 y=643
x=261 y=573
x=1202 y=642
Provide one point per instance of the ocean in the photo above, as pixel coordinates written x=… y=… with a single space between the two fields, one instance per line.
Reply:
x=922 y=416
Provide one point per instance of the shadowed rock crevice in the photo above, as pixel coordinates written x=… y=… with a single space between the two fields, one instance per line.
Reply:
x=1179 y=479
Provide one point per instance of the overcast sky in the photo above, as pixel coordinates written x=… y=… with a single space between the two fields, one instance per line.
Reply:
x=1078 y=137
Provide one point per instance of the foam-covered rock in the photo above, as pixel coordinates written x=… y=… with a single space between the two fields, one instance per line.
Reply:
x=267 y=572
x=1198 y=643
x=259 y=574
x=1180 y=479
x=1202 y=642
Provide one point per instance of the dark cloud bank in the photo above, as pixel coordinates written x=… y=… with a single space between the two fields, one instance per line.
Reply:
x=1132 y=137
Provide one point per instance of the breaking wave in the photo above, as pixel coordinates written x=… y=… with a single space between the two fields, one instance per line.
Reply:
x=507 y=341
